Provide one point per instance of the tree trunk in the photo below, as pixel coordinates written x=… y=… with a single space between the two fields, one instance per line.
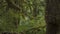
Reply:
x=52 y=16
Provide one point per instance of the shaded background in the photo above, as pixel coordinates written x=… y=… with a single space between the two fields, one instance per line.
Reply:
x=28 y=20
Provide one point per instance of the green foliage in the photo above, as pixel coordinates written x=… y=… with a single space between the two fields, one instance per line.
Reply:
x=26 y=16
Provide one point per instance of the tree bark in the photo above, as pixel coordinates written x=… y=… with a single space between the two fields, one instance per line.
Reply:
x=52 y=16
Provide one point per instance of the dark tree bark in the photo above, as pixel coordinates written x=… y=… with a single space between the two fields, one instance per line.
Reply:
x=52 y=16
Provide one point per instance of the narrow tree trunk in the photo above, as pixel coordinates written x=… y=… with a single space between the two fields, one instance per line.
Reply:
x=35 y=9
x=52 y=16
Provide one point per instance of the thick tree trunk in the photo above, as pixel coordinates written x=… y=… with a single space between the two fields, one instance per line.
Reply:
x=52 y=16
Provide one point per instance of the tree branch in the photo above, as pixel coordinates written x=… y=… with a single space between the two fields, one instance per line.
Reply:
x=11 y=4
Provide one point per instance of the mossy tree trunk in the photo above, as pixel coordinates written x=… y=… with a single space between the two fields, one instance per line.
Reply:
x=52 y=16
